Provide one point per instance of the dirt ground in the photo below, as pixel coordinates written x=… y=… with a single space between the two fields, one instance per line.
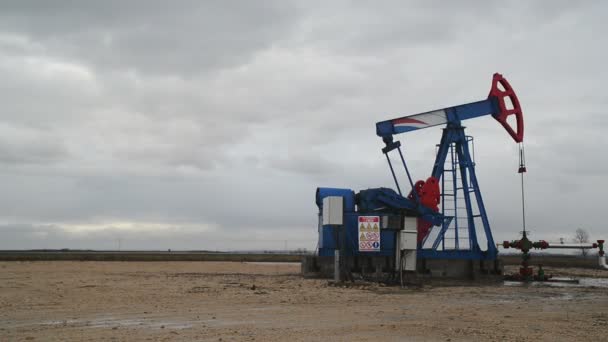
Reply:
x=231 y=301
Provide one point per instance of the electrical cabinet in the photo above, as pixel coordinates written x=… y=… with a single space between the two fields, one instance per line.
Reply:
x=408 y=240
x=333 y=210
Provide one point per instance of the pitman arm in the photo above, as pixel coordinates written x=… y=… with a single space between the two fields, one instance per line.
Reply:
x=494 y=105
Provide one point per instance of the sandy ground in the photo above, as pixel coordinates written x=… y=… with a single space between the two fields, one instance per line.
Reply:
x=223 y=301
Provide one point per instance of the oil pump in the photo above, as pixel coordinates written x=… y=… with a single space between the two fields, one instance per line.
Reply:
x=454 y=168
x=435 y=225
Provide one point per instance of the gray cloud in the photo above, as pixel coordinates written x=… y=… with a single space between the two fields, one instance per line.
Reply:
x=35 y=150
x=206 y=121
x=151 y=36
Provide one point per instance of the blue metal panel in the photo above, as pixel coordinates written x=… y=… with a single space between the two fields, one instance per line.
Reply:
x=387 y=242
x=474 y=109
x=352 y=235
x=326 y=252
x=370 y=200
x=385 y=128
x=327 y=237
x=327 y=240
x=453 y=115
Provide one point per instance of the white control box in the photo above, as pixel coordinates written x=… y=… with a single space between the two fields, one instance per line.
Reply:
x=333 y=210
x=408 y=241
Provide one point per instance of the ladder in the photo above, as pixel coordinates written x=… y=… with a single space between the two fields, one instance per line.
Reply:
x=457 y=235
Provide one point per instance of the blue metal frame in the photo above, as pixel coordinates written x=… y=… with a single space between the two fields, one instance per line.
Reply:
x=453 y=142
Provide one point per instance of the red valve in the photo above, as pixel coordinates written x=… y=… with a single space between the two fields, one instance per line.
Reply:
x=501 y=117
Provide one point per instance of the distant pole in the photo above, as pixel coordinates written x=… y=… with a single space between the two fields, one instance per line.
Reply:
x=119 y=244
x=285 y=246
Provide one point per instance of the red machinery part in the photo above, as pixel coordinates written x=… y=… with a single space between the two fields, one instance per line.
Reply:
x=418 y=188
x=499 y=82
x=429 y=195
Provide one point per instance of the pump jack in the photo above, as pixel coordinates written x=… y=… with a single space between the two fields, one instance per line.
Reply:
x=431 y=229
x=459 y=181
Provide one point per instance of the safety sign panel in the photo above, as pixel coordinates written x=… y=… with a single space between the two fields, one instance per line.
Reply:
x=369 y=233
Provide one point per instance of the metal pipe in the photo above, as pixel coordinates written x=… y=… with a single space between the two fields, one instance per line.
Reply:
x=409 y=177
x=393 y=172
x=572 y=246
x=602 y=262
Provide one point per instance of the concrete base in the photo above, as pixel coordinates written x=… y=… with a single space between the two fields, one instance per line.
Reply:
x=381 y=268
x=323 y=266
x=461 y=269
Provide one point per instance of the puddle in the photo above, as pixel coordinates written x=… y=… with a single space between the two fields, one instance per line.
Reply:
x=583 y=282
x=269 y=263
x=596 y=282
x=117 y=322
x=148 y=323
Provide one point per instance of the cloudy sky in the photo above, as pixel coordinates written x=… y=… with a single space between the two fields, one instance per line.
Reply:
x=209 y=124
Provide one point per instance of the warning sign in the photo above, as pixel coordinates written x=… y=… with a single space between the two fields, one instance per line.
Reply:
x=369 y=233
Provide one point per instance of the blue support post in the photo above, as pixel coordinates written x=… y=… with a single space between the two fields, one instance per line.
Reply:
x=465 y=163
x=454 y=141
x=491 y=246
